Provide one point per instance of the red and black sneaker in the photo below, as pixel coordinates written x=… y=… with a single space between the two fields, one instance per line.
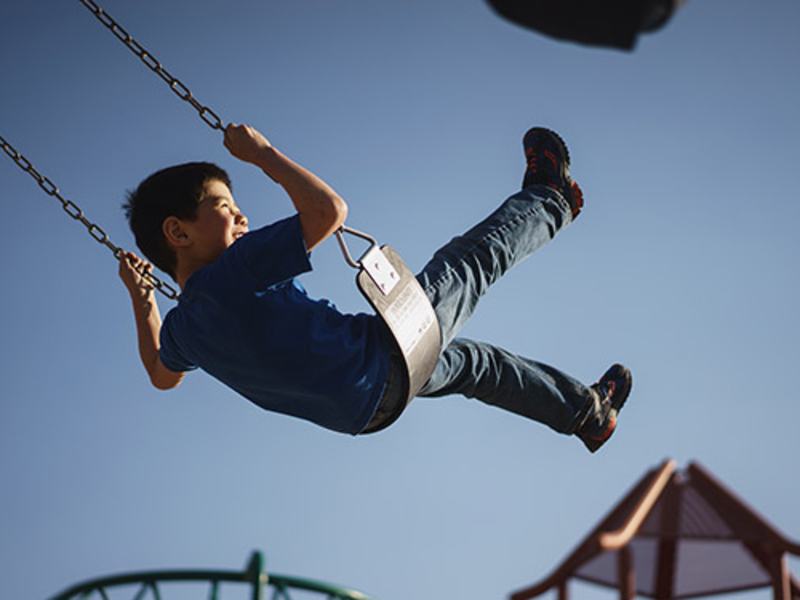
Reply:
x=601 y=420
x=547 y=159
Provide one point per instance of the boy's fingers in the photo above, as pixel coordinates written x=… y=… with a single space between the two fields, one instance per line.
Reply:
x=230 y=130
x=137 y=264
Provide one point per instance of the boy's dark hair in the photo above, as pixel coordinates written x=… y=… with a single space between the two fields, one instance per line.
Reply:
x=171 y=192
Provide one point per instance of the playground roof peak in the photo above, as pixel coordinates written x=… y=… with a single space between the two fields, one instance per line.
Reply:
x=678 y=535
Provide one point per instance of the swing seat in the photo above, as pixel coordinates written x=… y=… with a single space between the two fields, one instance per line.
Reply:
x=399 y=300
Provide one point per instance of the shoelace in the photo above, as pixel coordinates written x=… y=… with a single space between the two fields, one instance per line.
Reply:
x=609 y=388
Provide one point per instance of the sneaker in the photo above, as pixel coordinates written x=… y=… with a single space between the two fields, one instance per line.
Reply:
x=611 y=392
x=547 y=159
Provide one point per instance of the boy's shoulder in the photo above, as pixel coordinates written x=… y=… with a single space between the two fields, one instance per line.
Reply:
x=260 y=259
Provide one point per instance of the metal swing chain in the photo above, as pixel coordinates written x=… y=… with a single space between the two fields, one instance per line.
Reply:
x=74 y=211
x=175 y=84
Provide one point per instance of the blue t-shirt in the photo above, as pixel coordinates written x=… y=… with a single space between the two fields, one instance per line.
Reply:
x=246 y=321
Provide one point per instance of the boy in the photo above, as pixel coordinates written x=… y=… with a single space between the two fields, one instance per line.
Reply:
x=243 y=317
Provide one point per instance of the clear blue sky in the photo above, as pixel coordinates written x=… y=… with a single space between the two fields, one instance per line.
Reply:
x=683 y=266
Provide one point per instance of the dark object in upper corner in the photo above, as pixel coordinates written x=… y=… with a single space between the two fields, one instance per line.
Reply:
x=613 y=23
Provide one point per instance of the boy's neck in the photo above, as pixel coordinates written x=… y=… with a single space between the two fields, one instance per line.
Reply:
x=186 y=268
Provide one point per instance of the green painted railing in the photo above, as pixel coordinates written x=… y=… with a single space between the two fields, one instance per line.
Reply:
x=146 y=585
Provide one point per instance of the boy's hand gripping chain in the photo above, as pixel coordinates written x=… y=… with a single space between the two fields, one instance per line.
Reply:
x=176 y=85
x=74 y=211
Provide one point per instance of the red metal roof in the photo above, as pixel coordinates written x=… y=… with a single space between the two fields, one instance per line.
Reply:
x=678 y=535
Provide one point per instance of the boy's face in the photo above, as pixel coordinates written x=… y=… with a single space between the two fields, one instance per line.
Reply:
x=218 y=224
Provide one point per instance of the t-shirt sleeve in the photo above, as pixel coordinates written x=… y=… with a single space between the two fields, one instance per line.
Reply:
x=169 y=353
x=257 y=261
x=274 y=253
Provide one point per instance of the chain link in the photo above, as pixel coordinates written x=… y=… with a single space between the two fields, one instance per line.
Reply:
x=74 y=211
x=175 y=84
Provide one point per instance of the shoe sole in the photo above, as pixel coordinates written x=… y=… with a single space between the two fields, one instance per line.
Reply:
x=621 y=394
x=573 y=196
x=550 y=132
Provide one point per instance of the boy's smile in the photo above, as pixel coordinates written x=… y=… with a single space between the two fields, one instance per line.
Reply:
x=219 y=223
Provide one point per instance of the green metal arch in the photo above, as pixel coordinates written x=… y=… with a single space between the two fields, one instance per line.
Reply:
x=254 y=575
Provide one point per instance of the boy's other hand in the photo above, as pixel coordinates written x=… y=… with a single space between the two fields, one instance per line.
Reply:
x=245 y=142
x=130 y=272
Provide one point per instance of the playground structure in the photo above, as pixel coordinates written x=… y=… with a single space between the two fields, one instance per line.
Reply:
x=149 y=584
x=674 y=535
x=678 y=535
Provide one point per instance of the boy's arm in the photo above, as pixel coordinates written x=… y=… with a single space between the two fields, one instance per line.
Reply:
x=322 y=211
x=148 y=321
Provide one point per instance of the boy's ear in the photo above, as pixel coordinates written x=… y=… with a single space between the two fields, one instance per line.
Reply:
x=174 y=232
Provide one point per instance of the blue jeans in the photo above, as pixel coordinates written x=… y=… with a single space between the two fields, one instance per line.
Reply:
x=456 y=278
